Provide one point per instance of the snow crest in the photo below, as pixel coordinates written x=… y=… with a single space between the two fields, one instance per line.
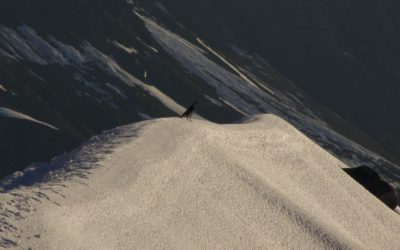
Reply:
x=170 y=183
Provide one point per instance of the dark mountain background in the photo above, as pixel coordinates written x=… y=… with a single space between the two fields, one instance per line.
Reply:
x=345 y=54
x=331 y=68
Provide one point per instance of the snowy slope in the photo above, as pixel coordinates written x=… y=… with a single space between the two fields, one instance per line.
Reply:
x=169 y=183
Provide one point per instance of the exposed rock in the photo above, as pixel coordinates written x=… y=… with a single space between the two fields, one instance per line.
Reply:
x=370 y=179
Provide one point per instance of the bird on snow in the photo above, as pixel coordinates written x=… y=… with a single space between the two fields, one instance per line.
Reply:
x=189 y=111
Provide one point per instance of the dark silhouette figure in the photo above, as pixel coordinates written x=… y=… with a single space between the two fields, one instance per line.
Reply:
x=189 y=112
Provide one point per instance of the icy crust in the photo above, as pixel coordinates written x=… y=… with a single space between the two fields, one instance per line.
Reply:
x=173 y=184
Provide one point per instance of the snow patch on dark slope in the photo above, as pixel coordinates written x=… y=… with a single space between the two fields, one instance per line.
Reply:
x=169 y=183
x=5 y=112
x=45 y=53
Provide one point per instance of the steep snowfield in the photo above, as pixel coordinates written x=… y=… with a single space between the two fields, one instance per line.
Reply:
x=173 y=184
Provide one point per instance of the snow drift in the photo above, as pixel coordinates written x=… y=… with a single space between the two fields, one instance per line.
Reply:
x=173 y=184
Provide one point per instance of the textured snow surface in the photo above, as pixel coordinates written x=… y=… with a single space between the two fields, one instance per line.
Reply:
x=173 y=184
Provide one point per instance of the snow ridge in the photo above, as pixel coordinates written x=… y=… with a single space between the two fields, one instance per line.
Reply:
x=170 y=183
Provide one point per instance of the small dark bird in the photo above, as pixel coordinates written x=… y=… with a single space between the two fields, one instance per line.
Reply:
x=189 y=112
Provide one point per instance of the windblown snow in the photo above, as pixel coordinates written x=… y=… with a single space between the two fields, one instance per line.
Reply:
x=173 y=184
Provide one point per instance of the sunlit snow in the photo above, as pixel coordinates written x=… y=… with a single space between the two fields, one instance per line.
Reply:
x=174 y=184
